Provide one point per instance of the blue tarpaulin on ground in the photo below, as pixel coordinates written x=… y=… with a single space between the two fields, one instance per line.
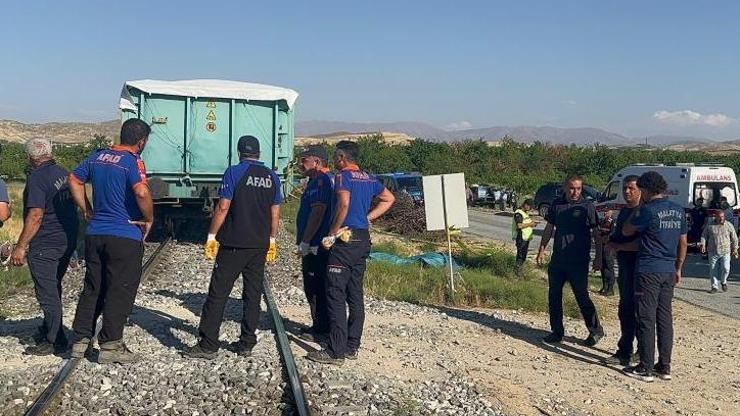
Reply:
x=427 y=259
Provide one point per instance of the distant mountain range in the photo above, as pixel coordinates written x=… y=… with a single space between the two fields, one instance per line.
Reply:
x=527 y=134
x=397 y=132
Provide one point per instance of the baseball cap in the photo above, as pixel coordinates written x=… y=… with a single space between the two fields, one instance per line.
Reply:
x=248 y=144
x=316 y=151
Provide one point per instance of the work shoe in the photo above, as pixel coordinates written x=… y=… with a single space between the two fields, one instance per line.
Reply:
x=639 y=372
x=553 y=338
x=662 y=371
x=40 y=349
x=240 y=348
x=324 y=357
x=351 y=354
x=81 y=348
x=116 y=352
x=724 y=287
x=713 y=290
x=594 y=339
x=196 y=351
x=621 y=359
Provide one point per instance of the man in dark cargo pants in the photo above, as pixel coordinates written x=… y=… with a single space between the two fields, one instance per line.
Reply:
x=241 y=238
x=312 y=224
x=626 y=248
x=573 y=220
x=47 y=241
x=355 y=190
x=114 y=240
x=662 y=227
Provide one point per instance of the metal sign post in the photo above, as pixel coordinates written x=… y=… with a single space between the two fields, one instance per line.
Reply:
x=449 y=241
x=445 y=207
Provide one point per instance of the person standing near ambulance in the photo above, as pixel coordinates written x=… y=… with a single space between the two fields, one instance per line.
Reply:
x=355 y=190
x=312 y=224
x=241 y=238
x=661 y=225
x=119 y=221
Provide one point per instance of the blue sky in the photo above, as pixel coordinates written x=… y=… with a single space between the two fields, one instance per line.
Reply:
x=635 y=68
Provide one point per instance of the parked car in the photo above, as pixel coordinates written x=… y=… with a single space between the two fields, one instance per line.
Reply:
x=482 y=194
x=548 y=192
x=411 y=183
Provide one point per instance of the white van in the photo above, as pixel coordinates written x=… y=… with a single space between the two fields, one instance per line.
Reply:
x=686 y=183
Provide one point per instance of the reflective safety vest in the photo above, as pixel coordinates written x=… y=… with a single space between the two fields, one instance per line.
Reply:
x=526 y=232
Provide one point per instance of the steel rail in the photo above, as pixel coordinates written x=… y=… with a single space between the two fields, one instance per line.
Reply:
x=69 y=365
x=299 y=396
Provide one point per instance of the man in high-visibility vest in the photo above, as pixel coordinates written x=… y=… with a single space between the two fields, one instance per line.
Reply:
x=522 y=227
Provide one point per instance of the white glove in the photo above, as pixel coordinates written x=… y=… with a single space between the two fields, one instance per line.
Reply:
x=304 y=249
x=328 y=241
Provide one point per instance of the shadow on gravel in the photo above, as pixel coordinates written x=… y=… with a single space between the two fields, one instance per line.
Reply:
x=158 y=324
x=23 y=329
x=532 y=336
x=194 y=303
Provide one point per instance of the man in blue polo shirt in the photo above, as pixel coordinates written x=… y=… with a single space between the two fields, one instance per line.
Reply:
x=354 y=190
x=662 y=227
x=241 y=238
x=312 y=224
x=572 y=219
x=47 y=241
x=119 y=221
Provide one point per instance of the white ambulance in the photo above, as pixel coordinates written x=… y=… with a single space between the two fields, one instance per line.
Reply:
x=687 y=182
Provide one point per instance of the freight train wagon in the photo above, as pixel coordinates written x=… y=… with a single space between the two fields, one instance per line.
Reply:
x=195 y=128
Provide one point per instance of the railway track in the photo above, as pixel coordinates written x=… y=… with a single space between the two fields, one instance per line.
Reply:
x=43 y=403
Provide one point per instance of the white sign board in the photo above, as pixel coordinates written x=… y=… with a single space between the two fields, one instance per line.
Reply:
x=445 y=194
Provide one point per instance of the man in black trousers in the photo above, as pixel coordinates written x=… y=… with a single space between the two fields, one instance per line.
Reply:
x=114 y=240
x=661 y=224
x=572 y=219
x=626 y=248
x=241 y=238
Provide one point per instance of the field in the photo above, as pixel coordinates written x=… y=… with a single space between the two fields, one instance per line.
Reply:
x=13 y=279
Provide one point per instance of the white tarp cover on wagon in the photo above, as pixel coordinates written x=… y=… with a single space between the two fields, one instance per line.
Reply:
x=207 y=88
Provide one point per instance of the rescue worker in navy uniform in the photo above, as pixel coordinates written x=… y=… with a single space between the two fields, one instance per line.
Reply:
x=119 y=222
x=572 y=218
x=661 y=224
x=241 y=238
x=626 y=249
x=48 y=239
x=354 y=190
x=312 y=224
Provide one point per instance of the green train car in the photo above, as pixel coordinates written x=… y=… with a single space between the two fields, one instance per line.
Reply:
x=195 y=128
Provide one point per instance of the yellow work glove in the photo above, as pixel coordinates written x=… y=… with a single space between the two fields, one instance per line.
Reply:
x=211 y=247
x=272 y=251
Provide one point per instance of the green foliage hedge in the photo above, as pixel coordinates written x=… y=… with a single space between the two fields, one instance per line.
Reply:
x=14 y=164
x=523 y=167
